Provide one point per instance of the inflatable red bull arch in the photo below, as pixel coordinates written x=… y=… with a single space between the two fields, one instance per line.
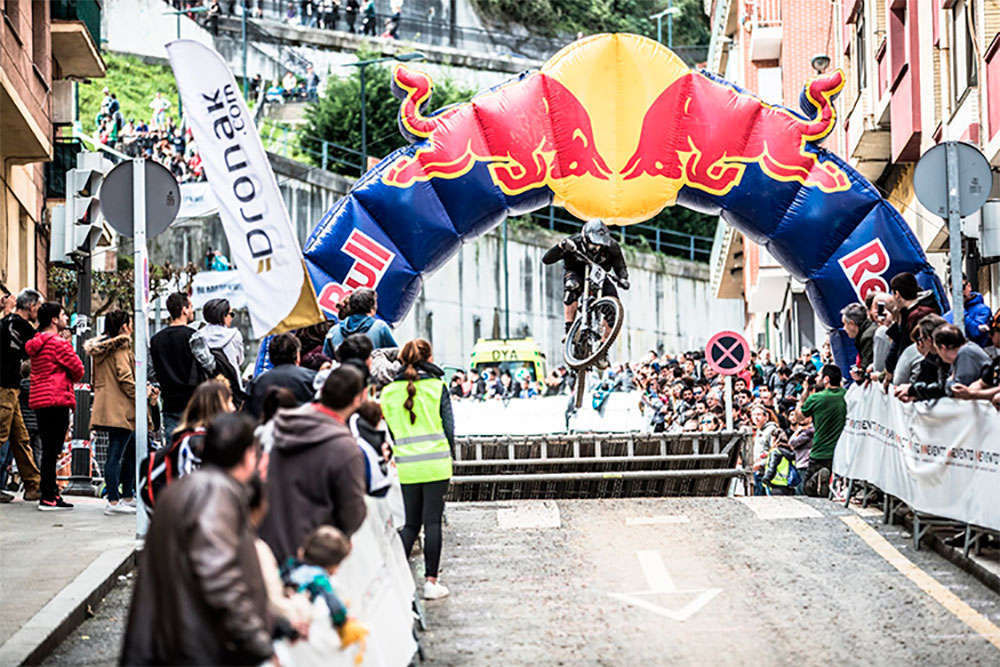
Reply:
x=615 y=127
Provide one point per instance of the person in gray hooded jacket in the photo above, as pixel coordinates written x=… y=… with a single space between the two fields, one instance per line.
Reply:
x=219 y=334
x=316 y=472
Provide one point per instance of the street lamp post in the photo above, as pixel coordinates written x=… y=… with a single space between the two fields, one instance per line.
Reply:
x=243 y=24
x=361 y=65
x=669 y=12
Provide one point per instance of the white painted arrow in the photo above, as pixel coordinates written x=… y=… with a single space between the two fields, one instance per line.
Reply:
x=660 y=584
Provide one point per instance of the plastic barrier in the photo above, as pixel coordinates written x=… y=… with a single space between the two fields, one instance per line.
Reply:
x=939 y=457
x=376 y=584
x=528 y=416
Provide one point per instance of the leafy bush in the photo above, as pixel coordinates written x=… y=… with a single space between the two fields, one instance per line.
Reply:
x=554 y=17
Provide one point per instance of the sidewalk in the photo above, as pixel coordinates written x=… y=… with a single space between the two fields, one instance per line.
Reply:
x=52 y=566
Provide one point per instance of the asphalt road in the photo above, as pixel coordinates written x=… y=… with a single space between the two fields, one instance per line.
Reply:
x=691 y=581
x=678 y=581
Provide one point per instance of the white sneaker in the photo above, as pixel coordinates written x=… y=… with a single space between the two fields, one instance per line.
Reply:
x=121 y=508
x=434 y=590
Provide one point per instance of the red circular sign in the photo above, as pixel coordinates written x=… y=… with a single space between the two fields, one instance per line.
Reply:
x=728 y=353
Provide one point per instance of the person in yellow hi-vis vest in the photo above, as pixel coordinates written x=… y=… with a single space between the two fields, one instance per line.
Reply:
x=417 y=409
x=781 y=477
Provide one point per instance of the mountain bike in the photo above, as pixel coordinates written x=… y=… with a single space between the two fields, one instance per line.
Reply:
x=597 y=324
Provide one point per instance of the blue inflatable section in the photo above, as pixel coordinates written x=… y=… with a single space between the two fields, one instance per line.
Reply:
x=840 y=244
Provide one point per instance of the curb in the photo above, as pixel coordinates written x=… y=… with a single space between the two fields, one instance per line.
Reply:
x=36 y=639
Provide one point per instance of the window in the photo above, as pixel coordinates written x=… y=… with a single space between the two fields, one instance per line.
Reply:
x=860 y=52
x=40 y=40
x=12 y=15
x=964 y=70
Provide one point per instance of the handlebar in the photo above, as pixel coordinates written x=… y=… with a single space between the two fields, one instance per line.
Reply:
x=610 y=274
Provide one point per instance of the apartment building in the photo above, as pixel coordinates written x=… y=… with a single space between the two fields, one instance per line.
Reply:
x=918 y=72
x=45 y=45
x=767 y=46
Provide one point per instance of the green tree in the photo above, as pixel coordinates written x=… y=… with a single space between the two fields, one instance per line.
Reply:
x=336 y=116
x=567 y=17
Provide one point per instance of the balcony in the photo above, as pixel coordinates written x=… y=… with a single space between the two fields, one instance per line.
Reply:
x=21 y=136
x=76 y=38
x=869 y=143
x=764 y=19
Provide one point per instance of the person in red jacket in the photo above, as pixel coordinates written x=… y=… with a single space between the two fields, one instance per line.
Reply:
x=54 y=369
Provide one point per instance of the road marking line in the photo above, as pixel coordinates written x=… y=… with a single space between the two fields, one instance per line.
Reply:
x=661 y=584
x=656 y=520
x=926 y=582
x=779 y=507
x=866 y=511
x=530 y=514
x=655 y=572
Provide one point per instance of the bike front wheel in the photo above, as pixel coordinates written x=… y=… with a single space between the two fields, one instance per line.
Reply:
x=585 y=343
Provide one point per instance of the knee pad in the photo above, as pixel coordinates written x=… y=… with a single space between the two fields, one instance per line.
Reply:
x=572 y=288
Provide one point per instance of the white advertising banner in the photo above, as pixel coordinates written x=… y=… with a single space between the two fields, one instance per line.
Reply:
x=940 y=457
x=197 y=201
x=208 y=285
x=262 y=242
x=531 y=416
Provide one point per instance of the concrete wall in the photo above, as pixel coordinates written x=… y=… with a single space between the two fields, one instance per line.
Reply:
x=669 y=306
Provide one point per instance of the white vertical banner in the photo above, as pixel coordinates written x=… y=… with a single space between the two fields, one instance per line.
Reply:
x=262 y=240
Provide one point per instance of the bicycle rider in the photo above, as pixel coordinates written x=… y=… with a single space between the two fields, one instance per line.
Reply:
x=596 y=243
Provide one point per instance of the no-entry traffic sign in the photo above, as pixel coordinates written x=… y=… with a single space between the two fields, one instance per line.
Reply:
x=728 y=353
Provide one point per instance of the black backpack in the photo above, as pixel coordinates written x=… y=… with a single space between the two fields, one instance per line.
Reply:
x=163 y=466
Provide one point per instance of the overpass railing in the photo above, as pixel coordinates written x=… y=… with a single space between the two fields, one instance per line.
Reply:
x=440 y=31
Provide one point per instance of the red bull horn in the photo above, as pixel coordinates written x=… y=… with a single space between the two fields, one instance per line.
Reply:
x=509 y=128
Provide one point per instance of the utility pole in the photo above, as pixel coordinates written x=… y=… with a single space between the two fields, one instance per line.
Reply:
x=361 y=65
x=243 y=4
x=506 y=286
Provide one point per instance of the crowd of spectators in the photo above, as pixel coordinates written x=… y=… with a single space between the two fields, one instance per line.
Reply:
x=160 y=139
x=346 y=15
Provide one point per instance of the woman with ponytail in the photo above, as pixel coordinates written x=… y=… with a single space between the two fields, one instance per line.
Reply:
x=417 y=409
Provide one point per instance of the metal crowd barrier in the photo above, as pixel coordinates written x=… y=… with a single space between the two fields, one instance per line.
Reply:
x=596 y=465
x=923 y=524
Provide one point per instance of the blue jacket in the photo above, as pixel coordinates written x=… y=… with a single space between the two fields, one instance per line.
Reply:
x=377 y=331
x=976 y=313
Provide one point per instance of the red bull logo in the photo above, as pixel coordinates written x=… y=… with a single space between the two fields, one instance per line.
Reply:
x=705 y=133
x=864 y=268
x=371 y=259
x=605 y=141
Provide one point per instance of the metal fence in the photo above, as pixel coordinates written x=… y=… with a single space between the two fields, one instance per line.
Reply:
x=596 y=465
x=648 y=237
x=427 y=28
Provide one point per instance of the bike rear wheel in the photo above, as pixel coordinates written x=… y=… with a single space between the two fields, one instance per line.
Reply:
x=584 y=345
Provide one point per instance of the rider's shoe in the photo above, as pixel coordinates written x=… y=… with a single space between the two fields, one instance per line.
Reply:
x=602 y=364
